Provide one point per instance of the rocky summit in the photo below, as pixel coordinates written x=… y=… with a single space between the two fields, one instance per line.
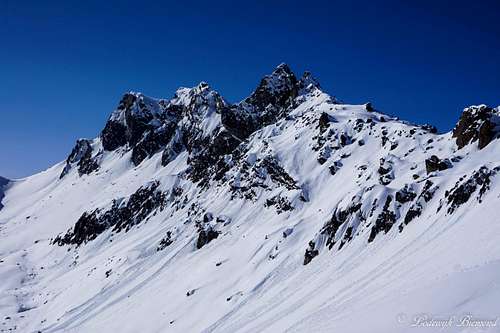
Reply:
x=287 y=211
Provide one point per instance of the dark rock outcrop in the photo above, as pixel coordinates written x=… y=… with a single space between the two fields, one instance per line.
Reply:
x=165 y=241
x=416 y=209
x=205 y=236
x=113 y=135
x=463 y=189
x=324 y=122
x=385 y=220
x=406 y=194
x=429 y=128
x=271 y=101
x=152 y=142
x=477 y=123
x=339 y=217
x=280 y=203
x=144 y=124
x=129 y=122
x=81 y=156
x=204 y=164
x=121 y=216
x=433 y=163
x=278 y=174
x=311 y=252
x=385 y=171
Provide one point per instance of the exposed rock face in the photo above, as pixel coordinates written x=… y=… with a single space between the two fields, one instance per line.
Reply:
x=122 y=215
x=271 y=101
x=429 y=128
x=308 y=83
x=113 y=135
x=87 y=228
x=144 y=124
x=385 y=220
x=278 y=174
x=464 y=189
x=385 y=171
x=311 y=252
x=324 y=122
x=280 y=203
x=416 y=209
x=81 y=156
x=406 y=194
x=165 y=241
x=205 y=236
x=339 y=217
x=207 y=159
x=477 y=123
x=152 y=142
x=435 y=164
x=132 y=118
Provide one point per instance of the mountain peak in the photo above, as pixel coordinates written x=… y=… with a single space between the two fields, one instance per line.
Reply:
x=198 y=201
x=283 y=68
x=202 y=86
x=282 y=75
x=308 y=82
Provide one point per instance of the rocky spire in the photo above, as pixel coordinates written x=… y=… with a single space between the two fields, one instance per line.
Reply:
x=277 y=89
x=308 y=83
x=270 y=101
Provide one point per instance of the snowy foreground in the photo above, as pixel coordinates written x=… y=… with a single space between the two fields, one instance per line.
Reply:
x=289 y=211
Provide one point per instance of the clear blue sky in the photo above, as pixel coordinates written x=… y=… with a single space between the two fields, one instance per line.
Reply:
x=65 y=64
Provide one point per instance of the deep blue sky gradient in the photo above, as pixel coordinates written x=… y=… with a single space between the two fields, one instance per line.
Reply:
x=65 y=64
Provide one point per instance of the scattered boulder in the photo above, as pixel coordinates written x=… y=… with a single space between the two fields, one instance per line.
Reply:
x=406 y=194
x=205 y=236
x=287 y=232
x=429 y=128
x=335 y=167
x=435 y=164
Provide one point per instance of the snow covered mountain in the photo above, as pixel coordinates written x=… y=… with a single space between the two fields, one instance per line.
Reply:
x=289 y=211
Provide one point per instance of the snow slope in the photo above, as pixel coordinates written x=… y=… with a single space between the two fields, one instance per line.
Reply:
x=209 y=230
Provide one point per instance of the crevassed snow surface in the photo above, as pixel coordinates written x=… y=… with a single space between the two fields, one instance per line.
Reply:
x=252 y=278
